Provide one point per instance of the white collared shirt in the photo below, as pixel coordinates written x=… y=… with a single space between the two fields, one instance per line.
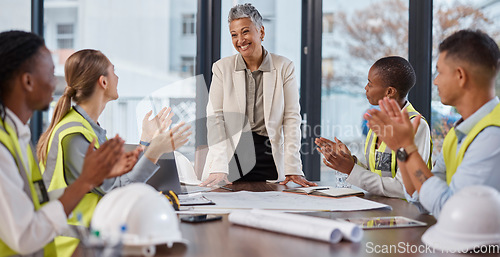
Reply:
x=21 y=227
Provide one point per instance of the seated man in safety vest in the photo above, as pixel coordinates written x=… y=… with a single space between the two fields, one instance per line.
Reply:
x=467 y=67
x=29 y=220
x=390 y=77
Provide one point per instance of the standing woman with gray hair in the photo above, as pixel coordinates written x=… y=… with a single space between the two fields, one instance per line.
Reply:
x=253 y=91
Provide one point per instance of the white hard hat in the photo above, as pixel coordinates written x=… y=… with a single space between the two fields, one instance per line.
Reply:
x=148 y=216
x=468 y=220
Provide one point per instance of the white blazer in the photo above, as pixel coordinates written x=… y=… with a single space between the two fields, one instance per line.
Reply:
x=226 y=116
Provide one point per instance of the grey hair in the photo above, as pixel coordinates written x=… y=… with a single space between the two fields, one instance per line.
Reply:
x=247 y=10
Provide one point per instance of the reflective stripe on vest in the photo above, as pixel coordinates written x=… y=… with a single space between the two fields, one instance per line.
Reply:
x=53 y=172
x=33 y=183
x=452 y=158
x=383 y=160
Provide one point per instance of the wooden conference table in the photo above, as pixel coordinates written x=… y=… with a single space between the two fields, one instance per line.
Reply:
x=221 y=238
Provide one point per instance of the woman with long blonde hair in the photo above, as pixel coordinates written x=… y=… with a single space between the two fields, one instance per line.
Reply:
x=91 y=84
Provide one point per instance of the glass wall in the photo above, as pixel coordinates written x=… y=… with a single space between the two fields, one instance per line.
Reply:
x=450 y=16
x=355 y=35
x=152 y=45
x=15 y=15
x=282 y=25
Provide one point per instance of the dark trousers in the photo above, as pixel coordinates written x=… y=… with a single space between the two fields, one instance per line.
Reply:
x=264 y=168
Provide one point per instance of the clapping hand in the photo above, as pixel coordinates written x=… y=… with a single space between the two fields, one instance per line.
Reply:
x=336 y=154
x=127 y=161
x=167 y=141
x=151 y=127
x=391 y=125
x=99 y=164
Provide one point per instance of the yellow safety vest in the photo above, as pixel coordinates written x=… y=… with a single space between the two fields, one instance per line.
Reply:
x=383 y=160
x=452 y=158
x=53 y=175
x=33 y=182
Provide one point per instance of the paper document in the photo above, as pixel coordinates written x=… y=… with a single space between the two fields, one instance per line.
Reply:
x=327 y=230
x=326 y=191
x=273 y=200
x=189 y=189
x=194 y=199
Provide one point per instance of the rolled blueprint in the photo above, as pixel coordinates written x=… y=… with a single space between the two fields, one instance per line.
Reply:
x=298 y=225
x=350 y=231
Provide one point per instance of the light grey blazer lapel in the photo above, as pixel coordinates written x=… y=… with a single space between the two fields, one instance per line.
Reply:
x=240 y=90
x=269 y=84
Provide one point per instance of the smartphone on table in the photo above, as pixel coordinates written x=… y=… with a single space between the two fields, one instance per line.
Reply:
x=201 y=218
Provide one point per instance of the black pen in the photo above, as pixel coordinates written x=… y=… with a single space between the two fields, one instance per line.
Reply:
x=227 y=188
x=322 y=188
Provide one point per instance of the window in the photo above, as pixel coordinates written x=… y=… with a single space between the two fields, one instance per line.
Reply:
x=188 y=24
x=328 y=23
x=187 y=64
x=143 y=41
x=15 y=15
x=362 y=32
x=327 y=70
x=65 y=36
x=451 y=16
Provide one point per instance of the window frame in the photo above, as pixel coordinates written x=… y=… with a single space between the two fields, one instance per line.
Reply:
x=65 y=36
x=188 y=24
